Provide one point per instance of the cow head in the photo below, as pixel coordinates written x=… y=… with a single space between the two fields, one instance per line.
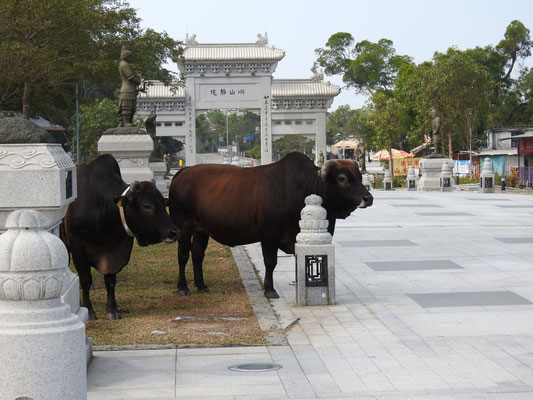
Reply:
x=344 y=191
x=146 y=214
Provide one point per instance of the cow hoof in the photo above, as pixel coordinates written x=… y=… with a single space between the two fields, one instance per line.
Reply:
x=205 y=289
x=184 y=292
x=113 y=316
x=92 y=315
x=271 y=294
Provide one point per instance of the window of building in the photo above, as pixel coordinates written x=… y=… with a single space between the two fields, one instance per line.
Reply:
x=514 y=142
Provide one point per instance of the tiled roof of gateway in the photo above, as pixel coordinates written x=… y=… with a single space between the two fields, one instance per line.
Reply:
x=232 y=52
x=303 y=87
x=158 y=90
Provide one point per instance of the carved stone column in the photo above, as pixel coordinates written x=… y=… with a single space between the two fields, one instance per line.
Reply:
x=315 y=256
x=42 y=343
x=131 y=150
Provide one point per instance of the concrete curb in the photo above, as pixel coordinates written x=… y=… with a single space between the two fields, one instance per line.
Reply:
x=265 y=315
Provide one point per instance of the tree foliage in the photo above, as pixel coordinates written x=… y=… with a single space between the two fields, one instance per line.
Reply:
x=44 y=44
x=470 y=89
x=366 y=66
x=283 y=146
x=94 y=119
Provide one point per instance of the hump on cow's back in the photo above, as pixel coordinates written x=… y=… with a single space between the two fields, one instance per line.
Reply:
x=104 y=166
x=297 y=158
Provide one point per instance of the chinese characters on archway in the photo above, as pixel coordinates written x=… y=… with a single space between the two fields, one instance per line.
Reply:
x=227 y=92
x=265 y=122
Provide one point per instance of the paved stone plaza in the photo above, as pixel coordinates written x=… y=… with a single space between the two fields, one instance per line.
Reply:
x=434 y=294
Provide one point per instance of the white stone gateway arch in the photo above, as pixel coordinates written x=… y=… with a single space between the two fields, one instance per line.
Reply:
x=239 y=76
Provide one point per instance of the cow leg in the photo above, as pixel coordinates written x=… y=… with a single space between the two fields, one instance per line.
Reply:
x=270 y=258
x=184 y=247
x=111 y=306
x=199 y=244
x=86 y=280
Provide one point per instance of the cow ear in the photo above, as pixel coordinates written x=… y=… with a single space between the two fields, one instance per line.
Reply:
x=327 y=168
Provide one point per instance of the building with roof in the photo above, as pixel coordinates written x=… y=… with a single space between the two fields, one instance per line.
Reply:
x=239 y=76
x=510 y=148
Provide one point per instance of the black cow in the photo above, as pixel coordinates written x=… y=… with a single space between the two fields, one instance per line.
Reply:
x=237 y=206
x=99 y=226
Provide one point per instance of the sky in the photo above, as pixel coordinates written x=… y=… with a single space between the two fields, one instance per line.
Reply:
x=418 y=28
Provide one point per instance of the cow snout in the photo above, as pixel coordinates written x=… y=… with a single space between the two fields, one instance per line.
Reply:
x=172 y=235
x=367 y=201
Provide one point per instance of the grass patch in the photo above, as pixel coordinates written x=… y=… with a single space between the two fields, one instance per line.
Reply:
x=146 y=295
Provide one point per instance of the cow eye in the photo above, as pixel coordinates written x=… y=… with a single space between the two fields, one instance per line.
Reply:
x=148 y=207
x=341 y=179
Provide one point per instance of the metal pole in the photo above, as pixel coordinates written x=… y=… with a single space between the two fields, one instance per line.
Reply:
x=227 y=132
x=77 y=129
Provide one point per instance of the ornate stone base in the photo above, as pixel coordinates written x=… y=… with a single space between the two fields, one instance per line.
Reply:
x=431 y=169
x=131 y=152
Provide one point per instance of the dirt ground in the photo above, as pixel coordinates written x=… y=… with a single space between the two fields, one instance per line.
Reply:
x=153 y=312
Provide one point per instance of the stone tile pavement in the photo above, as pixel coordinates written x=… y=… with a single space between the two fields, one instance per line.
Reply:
x=468 y=256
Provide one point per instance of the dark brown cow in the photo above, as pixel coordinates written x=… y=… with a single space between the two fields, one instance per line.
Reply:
x=237 y=206
x=97 y=235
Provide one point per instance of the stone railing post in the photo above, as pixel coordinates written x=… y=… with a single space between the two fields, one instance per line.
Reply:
x=487 y=177
x=315 y=256
x=42 y=342
x=446 y=181
x=412 y=179
x=387 y=181
x=366 y=181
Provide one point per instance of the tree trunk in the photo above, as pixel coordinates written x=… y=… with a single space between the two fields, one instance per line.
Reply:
x=26 y=99
x=450 y=147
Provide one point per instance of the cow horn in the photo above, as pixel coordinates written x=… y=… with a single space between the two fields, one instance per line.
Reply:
x=135 y=186
x=326 y=168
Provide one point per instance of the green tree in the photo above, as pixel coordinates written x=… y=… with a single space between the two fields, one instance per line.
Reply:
x=456 y=86
x=366 y=66
x=385 y=114
x=44 y=44
x=94 y=119
x=340 y=124
x=283 y=146
x=515 y=45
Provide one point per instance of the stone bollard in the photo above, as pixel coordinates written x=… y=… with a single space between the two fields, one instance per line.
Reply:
x=159 y=169
x=366 y=182
x=42 y=343
x=387 y=181
x=446 y=182
x=315 y=256
x=42 y=177
x=487 y=177
x=412 y=179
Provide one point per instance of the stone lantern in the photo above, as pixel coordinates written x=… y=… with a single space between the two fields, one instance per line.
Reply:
x=412 y=179
x=387 y=181
x=487 y=177
x=446 y=182
x=315 y=256
x=42 y=343
x=40 y=176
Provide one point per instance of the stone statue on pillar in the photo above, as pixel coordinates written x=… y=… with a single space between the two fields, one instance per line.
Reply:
x=128 y=90
x=436 y=136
